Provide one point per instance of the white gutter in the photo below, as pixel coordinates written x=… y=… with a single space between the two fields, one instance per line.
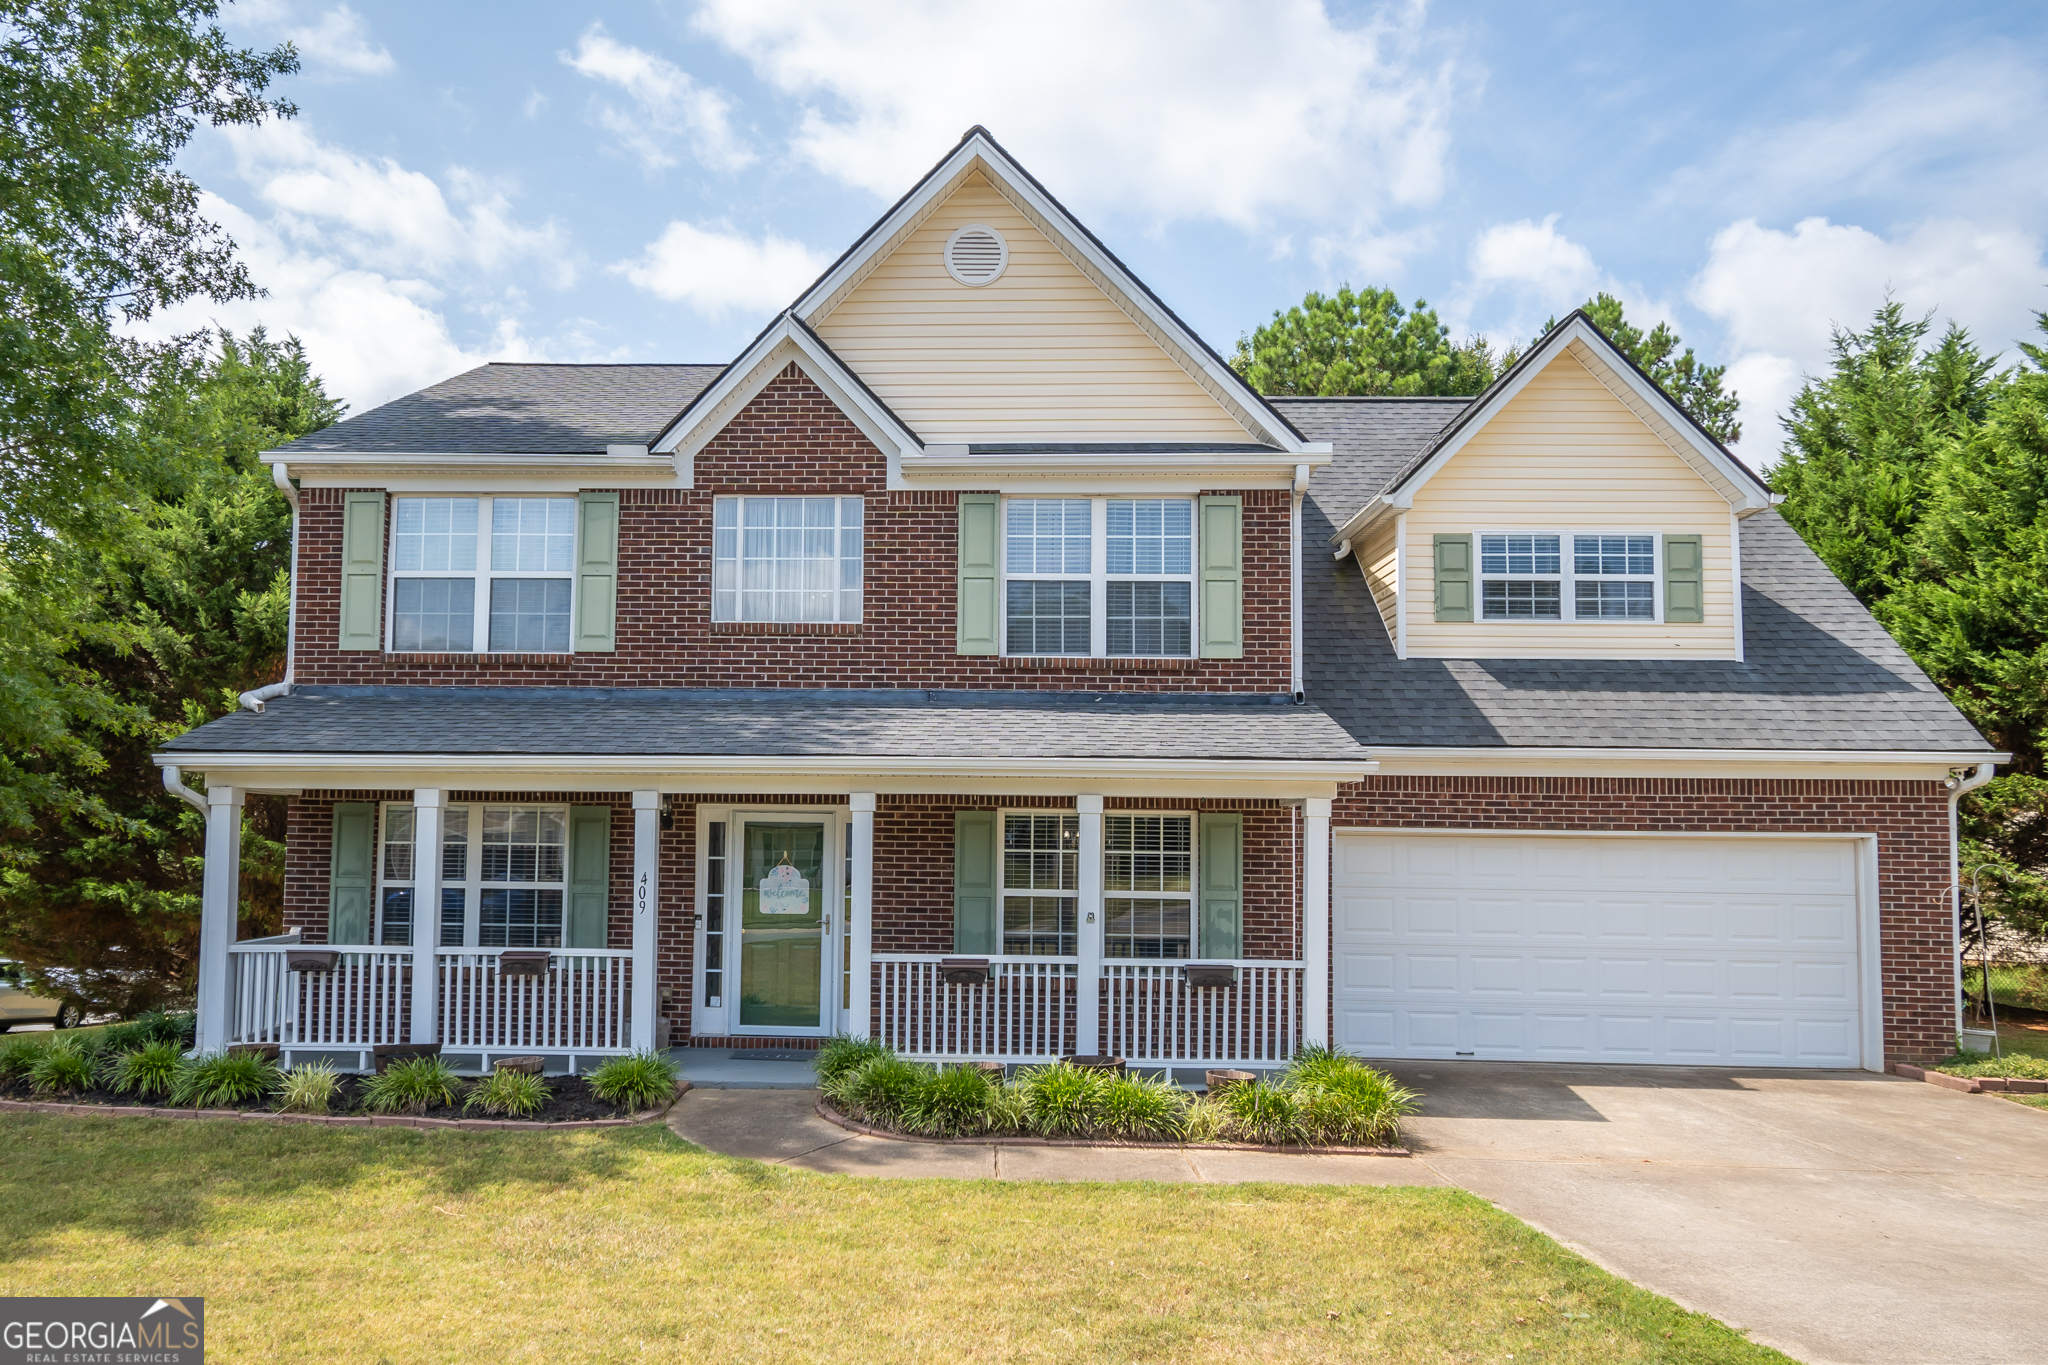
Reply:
x=1294 y=580
x=1523 y=753
x=254 y=699
x=176 y=787
x=1957 y=786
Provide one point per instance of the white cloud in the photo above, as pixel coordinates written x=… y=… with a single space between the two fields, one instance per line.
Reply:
x=1535 y=258
x=338 y=43
x=380 y=214
x=668 y=104
x=714 y=270
x=1165 y=108
x=1779 y=295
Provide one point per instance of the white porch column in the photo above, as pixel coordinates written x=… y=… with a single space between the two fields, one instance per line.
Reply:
x=646 y=897
x=1088 y=992
x=426 y=913
x=219 y=908
x=1315 y=921
x=859 y=1012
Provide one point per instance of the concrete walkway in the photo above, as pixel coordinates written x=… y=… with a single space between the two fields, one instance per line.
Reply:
x=1842 y=1217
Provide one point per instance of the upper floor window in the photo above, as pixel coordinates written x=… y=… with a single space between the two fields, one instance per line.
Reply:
x=1542 y=576
x=786 y=559
x=495 y=569
x=1098 y=576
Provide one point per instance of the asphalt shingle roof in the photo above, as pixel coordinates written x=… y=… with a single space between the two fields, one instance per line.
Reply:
x=523 y=409
x=902 y=723
x=1819 y=672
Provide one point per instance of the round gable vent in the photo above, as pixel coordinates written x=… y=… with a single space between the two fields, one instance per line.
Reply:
x=976 y=254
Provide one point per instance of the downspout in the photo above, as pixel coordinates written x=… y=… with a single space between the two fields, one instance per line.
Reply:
x=174 y=784
x=1294 y=582
x=1957 y=785
x=281 y=476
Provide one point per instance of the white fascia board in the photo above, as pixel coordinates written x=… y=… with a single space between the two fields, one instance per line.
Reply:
x=1902 y=764
x=428 y=471
x=752 y=372
x=1361 y=521
x=941 y=182
x=951 y=466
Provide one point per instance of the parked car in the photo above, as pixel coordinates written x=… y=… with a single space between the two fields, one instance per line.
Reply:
x=19 y=1003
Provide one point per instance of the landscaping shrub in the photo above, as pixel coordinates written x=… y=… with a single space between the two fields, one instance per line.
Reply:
x=837 y=1056
x=1062 y=1100
x=952 y=1102
x=1984 y=1064
x=149 y=1069
x=307 y=1089
x=61 y=1069
x=224 y=1078
x=879 y=1088
x=414 y=1084
x=1206 y=1120
x=1342 y=1102
x=645 y=1080
x=1144 y=1111
x=1260 y=1111
x=508 y=1094
x=18 y=1054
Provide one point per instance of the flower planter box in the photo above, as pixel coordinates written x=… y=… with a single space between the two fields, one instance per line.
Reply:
x=523 y=962
x=965 y=971
x=1209 y=975
x=311 y=959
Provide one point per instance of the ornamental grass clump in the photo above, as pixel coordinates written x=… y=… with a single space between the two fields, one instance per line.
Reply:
x=61 y=1069
x=879 y=1089
x=1062 y=1100
x=308 y=1089
x=225 y=1078
x=508 y=1095
x=954 y=1101
x=412 y=1085
x=1342 y=1102
x=1262 y=1112
x=838 y=1056
x=1144 y=1111
x=644 y=1080
x=151 y=1069
x=17 y=1055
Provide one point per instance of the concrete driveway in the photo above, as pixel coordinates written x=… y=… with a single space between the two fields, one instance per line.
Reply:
x=1838 y=1216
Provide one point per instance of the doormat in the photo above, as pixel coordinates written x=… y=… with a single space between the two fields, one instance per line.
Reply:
x=764 y=1054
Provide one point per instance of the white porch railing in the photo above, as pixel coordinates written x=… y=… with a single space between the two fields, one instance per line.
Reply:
x=1151 y=1013
x=363 y=1002
x=580 y=1003
x=1023 y=1013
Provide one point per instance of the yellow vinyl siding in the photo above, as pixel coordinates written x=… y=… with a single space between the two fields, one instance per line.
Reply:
x=1041 y=354
x=1376 y=561
x=1566 y=455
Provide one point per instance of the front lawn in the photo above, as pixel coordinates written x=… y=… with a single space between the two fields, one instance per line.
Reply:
x=394 y=1244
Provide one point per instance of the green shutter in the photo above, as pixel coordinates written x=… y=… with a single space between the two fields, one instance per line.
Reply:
x=1453 y=578
x=1222 y=608
x=351 y=870
x=597 y=572
x=590 y=878
x=1222 y=859
x=974 y=883
x=976 y=606
x=1685 y=599
x=362 y=571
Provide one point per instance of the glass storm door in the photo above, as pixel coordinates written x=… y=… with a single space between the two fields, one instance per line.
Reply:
x=783 y=925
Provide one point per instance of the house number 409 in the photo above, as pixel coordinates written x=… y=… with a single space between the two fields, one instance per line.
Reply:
x=640 y=895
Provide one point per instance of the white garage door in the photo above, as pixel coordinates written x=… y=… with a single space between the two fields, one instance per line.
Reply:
x=1704 y=951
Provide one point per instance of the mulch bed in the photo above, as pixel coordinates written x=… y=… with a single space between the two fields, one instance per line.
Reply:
x=853 y=1125
x=569 y=1103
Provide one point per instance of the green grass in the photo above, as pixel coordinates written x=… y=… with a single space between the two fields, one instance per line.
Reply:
x=629 y=1244
x=2021 y=984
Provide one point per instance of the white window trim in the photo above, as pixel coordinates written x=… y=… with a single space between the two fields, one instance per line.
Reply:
x=1081 y=925
x=1193 y=893
x=1098 y=576
x=483 y=574
x=740 y=593
x=1566 y=579
x=471 y=884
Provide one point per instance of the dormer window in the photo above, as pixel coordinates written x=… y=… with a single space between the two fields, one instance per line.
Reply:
x=1567 y=575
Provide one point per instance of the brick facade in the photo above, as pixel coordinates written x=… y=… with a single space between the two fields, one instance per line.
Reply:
x=1910 y=820
x=792 y=439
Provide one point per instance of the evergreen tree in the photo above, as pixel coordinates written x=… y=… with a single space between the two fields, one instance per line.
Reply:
x=1363 y=343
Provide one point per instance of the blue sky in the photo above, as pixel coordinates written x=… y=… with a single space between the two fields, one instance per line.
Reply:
x=652 y=181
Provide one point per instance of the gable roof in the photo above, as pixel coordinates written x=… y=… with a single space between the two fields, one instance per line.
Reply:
x=506 y=408
x=1819 y=673
x=1742 y=486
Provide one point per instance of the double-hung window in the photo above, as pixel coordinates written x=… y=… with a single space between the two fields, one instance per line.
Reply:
x=1567 y=576
x=503 y=871
x=1041 y=883
x=489 y=572
x=786 y=559
x=1148 y=883
x=1098 y=576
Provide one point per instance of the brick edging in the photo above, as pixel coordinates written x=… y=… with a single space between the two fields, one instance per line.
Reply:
x=1972 y=1085
x=134 y=1111
x=833 y=1116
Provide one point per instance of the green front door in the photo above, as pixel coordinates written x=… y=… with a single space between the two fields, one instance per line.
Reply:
x=782 y=924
